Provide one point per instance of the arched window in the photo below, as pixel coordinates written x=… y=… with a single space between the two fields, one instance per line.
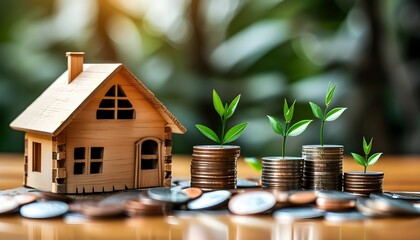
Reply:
x=115 y=105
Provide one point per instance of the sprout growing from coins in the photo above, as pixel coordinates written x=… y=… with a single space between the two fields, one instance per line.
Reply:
x=225 y=112
x=366 y=160
x=324 y=115
x=287 y=129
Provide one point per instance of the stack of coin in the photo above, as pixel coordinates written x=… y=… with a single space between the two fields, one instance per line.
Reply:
x=282 y=173
x=363 y=183
x=214 y=167
x=322 y=167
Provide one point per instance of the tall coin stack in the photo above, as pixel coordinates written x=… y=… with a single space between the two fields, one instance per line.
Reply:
x=323 y=167
x=214 y=167
x=362 y=183
x=282 y=173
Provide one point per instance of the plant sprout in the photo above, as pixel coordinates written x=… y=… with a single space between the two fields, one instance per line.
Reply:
x=287 y=129
x=225 y=112
x=366 y=161
x=324 y=115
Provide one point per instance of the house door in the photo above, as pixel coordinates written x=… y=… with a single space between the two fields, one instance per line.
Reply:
x=148 y=159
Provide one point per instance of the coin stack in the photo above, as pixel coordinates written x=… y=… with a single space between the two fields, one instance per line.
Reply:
x=282 y=173
x=214 y=167
x=322 y=167
x=362 y=183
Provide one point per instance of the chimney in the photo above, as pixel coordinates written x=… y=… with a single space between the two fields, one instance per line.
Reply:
x=75 y=64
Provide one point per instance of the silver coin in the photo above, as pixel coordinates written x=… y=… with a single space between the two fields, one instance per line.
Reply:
x=344 y=216
x=290 y=214
x=252 y=202
x=209 y=200
x=166 y=194
x=41 y=210
x=8 y=204
x=244 y=183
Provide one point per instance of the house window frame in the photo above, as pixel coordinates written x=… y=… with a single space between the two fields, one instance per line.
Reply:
x=115 y=105
x=36 y=156
x=91 y=163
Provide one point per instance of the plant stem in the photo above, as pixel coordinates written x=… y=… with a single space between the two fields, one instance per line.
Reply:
x=223 y=131
x=322 y=133
x=366 y=163
x=283 y=147
x=322 y=126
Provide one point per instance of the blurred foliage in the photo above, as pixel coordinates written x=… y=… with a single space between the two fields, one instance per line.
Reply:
x=266 y=50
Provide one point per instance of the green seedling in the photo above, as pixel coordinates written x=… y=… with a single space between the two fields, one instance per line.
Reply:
x=366 y=160
x=326 y=116
x=225 y=112
x=287 y=129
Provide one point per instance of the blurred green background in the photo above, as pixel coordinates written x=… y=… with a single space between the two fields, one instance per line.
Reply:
x=266 y=50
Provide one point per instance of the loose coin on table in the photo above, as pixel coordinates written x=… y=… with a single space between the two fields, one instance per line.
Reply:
x=302 y=197
x=209 y=200
x=192 y=192
x=166 y=194
x=290 y=214
x=48 y=209
x=8 y=204
x=344 y=216
x=335 y=200
x=252 y=202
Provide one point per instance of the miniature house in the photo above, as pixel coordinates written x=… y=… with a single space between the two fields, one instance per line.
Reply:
x=97 y=128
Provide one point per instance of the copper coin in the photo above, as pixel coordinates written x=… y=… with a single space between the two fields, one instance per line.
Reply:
x=192 y=192
x=302 y=197
x=96 y=209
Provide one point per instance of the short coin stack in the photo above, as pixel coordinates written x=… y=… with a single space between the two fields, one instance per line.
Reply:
x=322 y=167
x=214 y=167
x=282 y=173
x=363 y=183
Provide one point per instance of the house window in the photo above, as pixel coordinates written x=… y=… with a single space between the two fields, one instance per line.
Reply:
x=79 y=160
x=88 y=157
x=115 y=105
x=36 y=157
x=96 y=159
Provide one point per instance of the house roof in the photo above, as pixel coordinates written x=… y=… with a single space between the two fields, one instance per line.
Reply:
x=54 y=109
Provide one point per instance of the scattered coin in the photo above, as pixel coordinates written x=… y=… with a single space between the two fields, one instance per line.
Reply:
x=302 y=197
x=8 y=204
x=392 y=206
x=290 y=214
x=252 y=202
x=344 y=216
x=49 y=196
x=335 y=201
x=98 y=209
x=47 y=209
x=23 y=199
x=192 y=192
x=209 y=200
x=245 y=183
x=145 y=206
x=166 y=194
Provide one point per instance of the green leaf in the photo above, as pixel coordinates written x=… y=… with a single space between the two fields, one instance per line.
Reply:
x=254 y=163
x=374 y=158
x=218 y=105
x=276 y=125
x=208 y=133
x=288 y=112
x=359 y=159
x=232 y=107
x=330 y=93
x=367 y=147
x=298 y=128
x=234 y=133
x=316 y=110
x=334 y=114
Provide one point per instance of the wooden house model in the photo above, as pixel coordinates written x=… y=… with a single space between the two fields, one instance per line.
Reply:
x=97 y=128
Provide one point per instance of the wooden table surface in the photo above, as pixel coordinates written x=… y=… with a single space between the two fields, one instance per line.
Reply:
x=401 y=174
